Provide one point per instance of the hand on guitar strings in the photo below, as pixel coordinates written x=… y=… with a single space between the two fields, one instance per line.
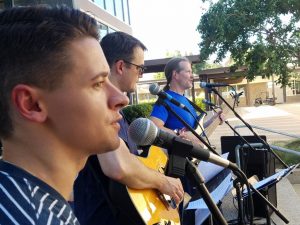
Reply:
x=173 y=188
x=188 y=135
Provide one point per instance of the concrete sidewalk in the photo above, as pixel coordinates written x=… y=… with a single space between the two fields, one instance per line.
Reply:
x=282 y=118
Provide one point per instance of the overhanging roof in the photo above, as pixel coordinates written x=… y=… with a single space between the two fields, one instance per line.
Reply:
x=158 y=65
x=221 y=73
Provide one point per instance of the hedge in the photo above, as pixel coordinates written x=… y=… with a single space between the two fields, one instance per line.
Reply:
x=133 y=112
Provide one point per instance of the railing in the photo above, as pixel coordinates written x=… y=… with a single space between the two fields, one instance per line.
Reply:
x=277 y=132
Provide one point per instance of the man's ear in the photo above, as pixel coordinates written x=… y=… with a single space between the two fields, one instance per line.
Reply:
x=119 y=66
x=27 y=102
x=174 y=74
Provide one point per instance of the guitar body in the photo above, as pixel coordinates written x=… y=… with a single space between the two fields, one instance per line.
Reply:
x=149 y=207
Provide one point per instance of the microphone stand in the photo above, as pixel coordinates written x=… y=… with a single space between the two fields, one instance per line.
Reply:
x=180 y=166
x=249 y=127
x=241 y=213
x=278 y=213
x=182 y=151
x=189 y=127
x=195 y=176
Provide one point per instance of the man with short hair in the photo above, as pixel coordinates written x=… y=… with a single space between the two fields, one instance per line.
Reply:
x=57 y=107
x=92 y=202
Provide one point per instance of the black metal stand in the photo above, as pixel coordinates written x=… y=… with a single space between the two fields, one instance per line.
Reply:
x=268 y=203
x=195 y=176
x=249 y=127
x=241 y=214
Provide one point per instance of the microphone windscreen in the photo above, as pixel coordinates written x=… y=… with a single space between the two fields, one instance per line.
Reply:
x=203 y=84
x=204 y=101
x=142 y=131
x=154 y=89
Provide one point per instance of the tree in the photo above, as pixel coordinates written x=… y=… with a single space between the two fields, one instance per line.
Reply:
x=263 y=35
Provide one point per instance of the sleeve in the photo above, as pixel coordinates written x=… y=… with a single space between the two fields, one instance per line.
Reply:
x=160 y=112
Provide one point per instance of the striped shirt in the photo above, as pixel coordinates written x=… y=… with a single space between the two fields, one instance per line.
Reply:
x=26 y=200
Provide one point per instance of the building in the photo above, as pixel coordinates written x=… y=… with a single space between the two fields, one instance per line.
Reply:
x=112 y=15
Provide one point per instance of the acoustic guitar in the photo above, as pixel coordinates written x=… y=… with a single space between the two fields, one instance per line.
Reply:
x=146 y=206
x=214 y=121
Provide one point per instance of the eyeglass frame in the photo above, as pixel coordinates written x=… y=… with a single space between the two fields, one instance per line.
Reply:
x=141 y=68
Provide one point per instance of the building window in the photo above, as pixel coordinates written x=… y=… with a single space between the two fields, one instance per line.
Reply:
x=126 y=12
x=100 y=3
x=296 y=87
x=119 y=9
x=111 y=30
x=103 y=30
x=110 y=7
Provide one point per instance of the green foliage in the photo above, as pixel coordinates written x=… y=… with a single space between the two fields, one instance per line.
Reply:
x=159 y=76
x=199 y=103
x=255 y=34
x=289 y=158
x=198 y=67
x=133 y=112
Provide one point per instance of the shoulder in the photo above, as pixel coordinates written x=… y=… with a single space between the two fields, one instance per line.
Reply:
x=27 y=200
x=16 y=201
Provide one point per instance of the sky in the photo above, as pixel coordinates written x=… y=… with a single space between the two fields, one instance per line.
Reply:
x=167 y=25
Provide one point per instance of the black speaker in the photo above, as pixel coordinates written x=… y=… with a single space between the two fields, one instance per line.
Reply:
x=259 y=162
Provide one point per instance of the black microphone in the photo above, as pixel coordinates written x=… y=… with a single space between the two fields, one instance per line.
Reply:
x=211 y=85
x=144 y=132
x=205 y=101
x=155 y=90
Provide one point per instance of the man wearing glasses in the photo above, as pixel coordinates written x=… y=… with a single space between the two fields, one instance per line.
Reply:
x=92 y=203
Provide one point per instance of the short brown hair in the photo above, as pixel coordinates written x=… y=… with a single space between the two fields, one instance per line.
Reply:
x=34 y=49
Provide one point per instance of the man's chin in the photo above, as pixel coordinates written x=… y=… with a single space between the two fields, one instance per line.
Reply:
x=112 y=146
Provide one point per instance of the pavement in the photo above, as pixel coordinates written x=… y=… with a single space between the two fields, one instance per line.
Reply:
x=282 y=118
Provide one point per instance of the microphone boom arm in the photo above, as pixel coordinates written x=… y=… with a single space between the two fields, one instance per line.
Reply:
x=189 y=128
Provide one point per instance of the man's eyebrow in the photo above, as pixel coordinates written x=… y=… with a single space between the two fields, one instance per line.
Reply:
x=101 y=74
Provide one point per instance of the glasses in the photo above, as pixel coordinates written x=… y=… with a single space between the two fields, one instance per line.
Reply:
x=139 y=67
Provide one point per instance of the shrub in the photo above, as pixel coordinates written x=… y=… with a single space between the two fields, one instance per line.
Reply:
x=199 y=103
x=133 y=112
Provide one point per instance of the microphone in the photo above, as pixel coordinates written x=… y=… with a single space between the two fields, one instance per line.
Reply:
x=155 y=90
x=144 y=132
x=211 y=85
x=205 y=101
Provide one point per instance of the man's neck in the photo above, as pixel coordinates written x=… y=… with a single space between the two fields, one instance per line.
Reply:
x=177 y=90
x=51 y=166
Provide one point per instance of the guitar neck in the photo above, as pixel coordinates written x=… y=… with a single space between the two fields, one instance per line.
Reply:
x=212 y=123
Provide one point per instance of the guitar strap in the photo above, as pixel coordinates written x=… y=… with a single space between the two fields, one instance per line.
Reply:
x=196 y=107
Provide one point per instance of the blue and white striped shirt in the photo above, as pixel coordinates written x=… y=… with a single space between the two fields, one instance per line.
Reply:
x=25 y=199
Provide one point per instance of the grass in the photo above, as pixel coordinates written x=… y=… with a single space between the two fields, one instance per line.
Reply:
x=289 y=158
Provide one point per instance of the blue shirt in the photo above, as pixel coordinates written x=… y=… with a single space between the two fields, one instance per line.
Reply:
x=159 y=111
x=25 y=199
